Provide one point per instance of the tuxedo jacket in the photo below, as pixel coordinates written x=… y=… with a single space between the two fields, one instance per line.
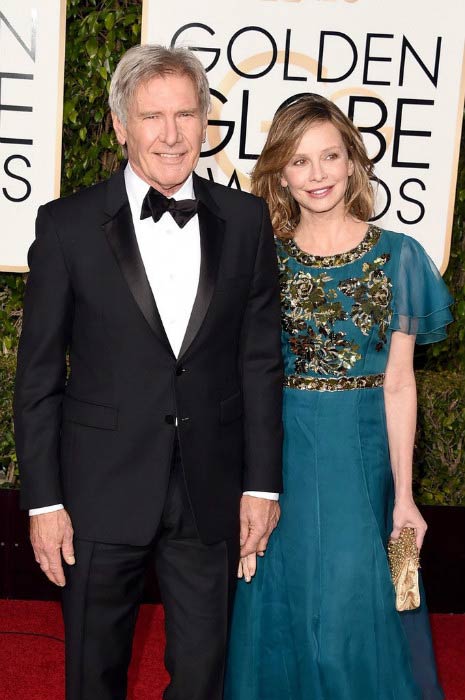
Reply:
x=99 y=392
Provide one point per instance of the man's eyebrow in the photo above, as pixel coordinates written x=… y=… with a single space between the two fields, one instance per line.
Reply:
x=147 y=112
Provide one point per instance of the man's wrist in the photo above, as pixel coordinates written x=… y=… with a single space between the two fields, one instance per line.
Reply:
x=263 y=494
x=46 y=509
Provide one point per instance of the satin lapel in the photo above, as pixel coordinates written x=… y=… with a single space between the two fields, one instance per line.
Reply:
x=211 y=241
x=119 y=230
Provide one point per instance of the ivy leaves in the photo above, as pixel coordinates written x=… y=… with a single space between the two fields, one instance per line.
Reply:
x=440 y=442
x=98 y=33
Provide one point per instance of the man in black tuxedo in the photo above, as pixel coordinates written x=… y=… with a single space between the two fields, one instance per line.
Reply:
x=162 y=287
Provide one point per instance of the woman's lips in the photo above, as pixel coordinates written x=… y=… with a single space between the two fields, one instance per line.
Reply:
x=320 y=192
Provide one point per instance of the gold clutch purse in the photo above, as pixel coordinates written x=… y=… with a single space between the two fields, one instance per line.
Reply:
x=404 y=562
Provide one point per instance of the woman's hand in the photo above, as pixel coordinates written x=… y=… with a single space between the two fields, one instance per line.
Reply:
x=247 y=567
x=406 y=514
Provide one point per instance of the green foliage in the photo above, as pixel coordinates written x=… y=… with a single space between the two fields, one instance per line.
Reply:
x=440 y=444
x=98 y=33
x=8 y=472
x=11 y=297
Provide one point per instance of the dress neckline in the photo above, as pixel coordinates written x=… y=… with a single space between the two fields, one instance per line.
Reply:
x=371 y=237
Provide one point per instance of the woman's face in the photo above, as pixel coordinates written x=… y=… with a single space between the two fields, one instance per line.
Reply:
x=318 y=173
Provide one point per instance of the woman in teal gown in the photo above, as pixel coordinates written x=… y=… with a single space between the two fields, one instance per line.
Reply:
x=318 y=619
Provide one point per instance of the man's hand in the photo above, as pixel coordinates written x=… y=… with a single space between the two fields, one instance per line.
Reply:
x=258 y=517
x=52 y=537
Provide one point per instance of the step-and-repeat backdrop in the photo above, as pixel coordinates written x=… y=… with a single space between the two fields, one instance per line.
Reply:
x=397 y=68
x=32 y=43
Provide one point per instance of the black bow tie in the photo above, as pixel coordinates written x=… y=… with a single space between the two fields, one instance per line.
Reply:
x=156 y=204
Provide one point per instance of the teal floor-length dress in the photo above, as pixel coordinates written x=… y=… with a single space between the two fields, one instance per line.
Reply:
x=318 y=621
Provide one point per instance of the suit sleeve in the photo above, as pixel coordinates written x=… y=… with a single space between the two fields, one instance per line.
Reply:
x=261 y=369
x=41 y=372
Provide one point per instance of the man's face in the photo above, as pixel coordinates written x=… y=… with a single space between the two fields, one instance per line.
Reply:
x=164 y=131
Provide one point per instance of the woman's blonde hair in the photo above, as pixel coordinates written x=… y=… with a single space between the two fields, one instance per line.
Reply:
x=289 y=124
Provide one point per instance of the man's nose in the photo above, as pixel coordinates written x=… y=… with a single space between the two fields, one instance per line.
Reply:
x=170 y=133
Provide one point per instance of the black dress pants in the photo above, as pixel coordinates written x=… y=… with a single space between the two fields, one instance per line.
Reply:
x=102 y=596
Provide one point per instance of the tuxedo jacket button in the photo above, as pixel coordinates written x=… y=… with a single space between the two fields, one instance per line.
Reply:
x=171 y=420
x=180 y=370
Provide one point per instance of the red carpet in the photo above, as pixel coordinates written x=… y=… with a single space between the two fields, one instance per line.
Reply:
x=32 y=666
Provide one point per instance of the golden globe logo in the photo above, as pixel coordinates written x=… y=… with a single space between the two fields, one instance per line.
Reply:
x=244 y=100
x=402 y=81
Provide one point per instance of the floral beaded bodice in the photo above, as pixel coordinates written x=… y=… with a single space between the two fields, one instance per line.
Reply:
x=336 y=309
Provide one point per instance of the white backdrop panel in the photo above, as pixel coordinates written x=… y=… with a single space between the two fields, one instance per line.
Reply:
x=397 y=68
x=32 y=35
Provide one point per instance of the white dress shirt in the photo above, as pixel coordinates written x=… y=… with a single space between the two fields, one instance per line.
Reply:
x=171 y=257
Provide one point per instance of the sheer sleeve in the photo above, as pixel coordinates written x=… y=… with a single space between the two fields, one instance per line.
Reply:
x=421 y=298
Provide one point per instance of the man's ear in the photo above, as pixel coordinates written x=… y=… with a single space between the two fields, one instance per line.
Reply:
x=120 y=129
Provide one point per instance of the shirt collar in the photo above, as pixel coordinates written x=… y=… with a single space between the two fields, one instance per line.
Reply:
x=138 y=188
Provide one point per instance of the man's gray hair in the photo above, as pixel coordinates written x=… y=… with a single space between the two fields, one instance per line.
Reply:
x=144 y=62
